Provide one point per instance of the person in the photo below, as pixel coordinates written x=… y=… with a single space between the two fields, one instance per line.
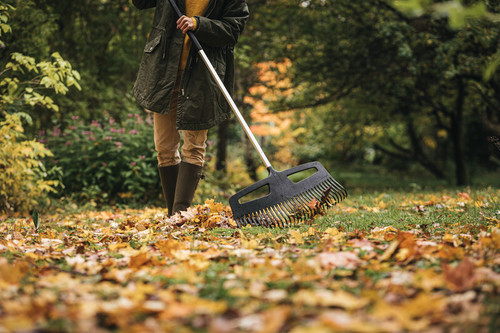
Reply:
x=175 y=84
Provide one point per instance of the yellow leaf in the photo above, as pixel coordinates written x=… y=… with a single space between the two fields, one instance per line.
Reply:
x=139 y=260
x=296 y=237
x=495 y=238
x=248 y=243
x=324 y=297
x=389 y=251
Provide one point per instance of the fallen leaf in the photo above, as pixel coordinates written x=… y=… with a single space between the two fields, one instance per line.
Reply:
x=330 y=260
x=461 y=277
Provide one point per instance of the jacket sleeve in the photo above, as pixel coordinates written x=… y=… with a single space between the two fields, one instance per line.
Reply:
x=144 y=4
x=225 y=31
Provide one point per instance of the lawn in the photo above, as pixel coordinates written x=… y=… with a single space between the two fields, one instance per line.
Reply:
x=377 y=262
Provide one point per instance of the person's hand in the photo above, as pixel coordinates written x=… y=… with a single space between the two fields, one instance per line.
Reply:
x=185 y=23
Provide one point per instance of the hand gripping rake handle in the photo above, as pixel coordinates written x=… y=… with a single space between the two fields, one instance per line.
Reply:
x=226 y=94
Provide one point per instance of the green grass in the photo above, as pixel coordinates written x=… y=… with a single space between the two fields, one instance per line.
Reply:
x=358 y=180
x=403 y=210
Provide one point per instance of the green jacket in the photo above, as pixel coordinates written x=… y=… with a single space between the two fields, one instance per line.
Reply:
x=201 y=105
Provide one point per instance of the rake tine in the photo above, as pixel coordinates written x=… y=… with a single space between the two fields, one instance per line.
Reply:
x=257 y=218
x=289 y=209
x=275 y=215
x=278 y=216
x=253 y=220
x=282 y=214
x=263 y=218
x=336 y=192
x=340 y=189
x=247 y=219
x=270 y=218
x=336 y=185
x=331 y=197
x=335 y=196
x=260 y=218
x=308 y=196
x=267 y=218
x=330 y=185
x=285 y=212
x=291 y=206
x=317 y=191
x=297 y=206
x=305 y=206
x=289 y=212
x=311 y=193
x=242 y=221
x=305 y=211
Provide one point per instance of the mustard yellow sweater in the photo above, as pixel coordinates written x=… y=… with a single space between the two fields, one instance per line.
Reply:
x=193 y=7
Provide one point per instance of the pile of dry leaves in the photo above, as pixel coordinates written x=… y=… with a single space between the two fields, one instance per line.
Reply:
x=140 y=271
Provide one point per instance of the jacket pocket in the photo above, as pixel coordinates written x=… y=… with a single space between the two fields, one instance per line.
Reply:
x=153 y=64
x=152 y=44
x=217 y=57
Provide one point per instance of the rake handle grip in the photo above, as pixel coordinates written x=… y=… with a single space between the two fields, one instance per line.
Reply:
x=224 y=91
x=189 y=33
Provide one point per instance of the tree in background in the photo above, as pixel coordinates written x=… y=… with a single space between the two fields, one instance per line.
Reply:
x=398 y=83
x=416 y=81
x=23 y=82
x=102 y=39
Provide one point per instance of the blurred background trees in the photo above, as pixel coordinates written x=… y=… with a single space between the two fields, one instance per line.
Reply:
x=372 y=89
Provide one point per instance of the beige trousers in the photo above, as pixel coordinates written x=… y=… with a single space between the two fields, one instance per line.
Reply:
x=167 y=140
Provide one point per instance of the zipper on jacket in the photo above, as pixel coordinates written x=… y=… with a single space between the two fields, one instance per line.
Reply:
x=189 y=61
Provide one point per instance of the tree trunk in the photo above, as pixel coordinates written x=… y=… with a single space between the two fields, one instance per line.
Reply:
x=250 y=160
x=457 y=136
x=221 y=155
x=418 y=152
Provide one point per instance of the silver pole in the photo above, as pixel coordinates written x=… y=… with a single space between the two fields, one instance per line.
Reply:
x=235 y=109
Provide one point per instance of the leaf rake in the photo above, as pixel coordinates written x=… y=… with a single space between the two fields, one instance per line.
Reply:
x=285 y=202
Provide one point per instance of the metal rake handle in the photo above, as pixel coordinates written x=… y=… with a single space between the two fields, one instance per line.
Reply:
x=226 y=94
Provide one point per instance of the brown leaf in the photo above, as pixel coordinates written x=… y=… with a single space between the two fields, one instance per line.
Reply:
x=313 y=204
x=461 y=277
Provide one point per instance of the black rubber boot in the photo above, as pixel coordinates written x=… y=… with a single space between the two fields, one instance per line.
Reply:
x=168 y=177
x=187 y=182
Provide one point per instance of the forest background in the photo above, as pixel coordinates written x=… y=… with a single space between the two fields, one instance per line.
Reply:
x=402 y=94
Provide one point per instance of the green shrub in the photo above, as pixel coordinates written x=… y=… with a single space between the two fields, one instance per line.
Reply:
x=106 y=161
x=23 y=183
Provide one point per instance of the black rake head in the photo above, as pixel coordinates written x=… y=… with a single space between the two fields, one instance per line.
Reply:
x=286 y=202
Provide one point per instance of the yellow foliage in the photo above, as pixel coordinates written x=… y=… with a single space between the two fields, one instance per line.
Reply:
x=22 y=184
x=274 y=85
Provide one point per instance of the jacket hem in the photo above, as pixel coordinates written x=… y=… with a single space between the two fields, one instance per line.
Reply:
x=204 y=126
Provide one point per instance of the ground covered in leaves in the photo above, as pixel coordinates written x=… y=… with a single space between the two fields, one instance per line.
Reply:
x=383 y=262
